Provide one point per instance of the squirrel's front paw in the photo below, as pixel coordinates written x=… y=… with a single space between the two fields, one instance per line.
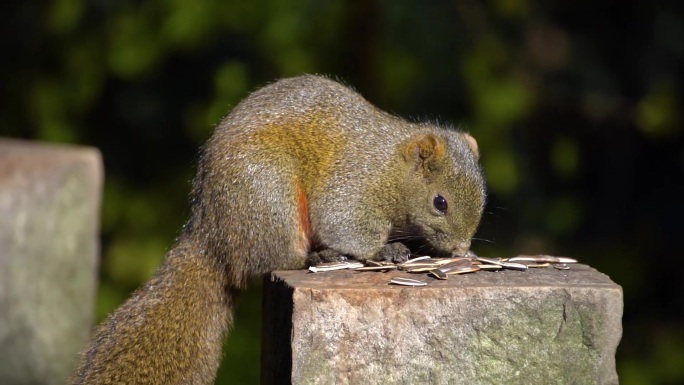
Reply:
x=326 y=255
x=395 y=252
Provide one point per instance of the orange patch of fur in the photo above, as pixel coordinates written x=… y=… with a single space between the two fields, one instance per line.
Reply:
x=305 y=230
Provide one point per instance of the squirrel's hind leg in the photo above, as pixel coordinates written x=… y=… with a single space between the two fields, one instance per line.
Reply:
x=274 y=232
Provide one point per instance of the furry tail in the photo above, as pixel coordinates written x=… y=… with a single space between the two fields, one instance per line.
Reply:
x=169 y=332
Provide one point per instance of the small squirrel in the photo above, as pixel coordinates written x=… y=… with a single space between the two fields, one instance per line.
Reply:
x=303 y=170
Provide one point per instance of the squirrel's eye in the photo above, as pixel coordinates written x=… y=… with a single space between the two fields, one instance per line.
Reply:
x=440 y=204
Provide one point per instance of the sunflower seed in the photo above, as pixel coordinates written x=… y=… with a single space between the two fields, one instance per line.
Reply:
x=491 y=261
x=407 y=282
x=457 y=262
x=489 y=267
x=422 y=269
x=424 y=262
x=463 y=270
x=376 y=268
x=453 y=268
x=332 y=264
x=432 y=262
x=415 y=266
x=421 y=262
x=335 y=266
x=438 y=273
x=515 y=266
x=537 y=265
x=441 y=268
x=541 y=259
x=441 y=261
x=507 y=265
x=419 y=258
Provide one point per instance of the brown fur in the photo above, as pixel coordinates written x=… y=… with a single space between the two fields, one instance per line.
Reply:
x=304 y=161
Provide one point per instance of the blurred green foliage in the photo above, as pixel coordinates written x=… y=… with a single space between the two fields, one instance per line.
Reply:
x=576 y=107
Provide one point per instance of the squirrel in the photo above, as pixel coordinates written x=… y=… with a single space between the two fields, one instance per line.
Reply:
x=303 y=170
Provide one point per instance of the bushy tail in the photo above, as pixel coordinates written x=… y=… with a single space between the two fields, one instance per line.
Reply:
x=169 y=332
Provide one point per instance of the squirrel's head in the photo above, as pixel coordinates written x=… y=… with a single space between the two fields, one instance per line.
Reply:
x=445 y=189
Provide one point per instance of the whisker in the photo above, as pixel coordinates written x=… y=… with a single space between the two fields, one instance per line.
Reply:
x=421 y=248
x=403 y=238
x=484 y=240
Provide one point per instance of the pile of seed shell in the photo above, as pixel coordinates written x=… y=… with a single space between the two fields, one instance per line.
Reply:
x=442 y=268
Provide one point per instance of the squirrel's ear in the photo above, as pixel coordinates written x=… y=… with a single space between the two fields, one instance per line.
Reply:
x=425 y=150
x=472 y=144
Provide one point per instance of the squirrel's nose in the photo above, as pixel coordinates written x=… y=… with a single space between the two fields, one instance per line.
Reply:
x=461 y=248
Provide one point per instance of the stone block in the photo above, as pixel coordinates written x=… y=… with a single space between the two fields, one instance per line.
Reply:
x=49 y=247
x=541 y=326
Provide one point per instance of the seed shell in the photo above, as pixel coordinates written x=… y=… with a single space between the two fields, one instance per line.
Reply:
x=457 y=262
x=441 y=268
x=542 y=259
x=514 y=266
x=507 y=265
x=375 y=268
x=537 y=265
x=464 y=270
x=407 y=282
x=335 y=266
x=332 y=264
x=417 y=264
x=491 y=261
x=438 y=273
x=489 y=267
x=419 y=258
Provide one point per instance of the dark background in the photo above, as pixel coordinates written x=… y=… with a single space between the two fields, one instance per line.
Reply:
x=576 y=105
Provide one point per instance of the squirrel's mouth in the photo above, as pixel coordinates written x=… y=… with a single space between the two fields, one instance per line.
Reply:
x=431 y=242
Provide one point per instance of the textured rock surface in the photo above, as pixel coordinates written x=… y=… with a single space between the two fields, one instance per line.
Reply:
x=542 y=326
x=49 y=215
